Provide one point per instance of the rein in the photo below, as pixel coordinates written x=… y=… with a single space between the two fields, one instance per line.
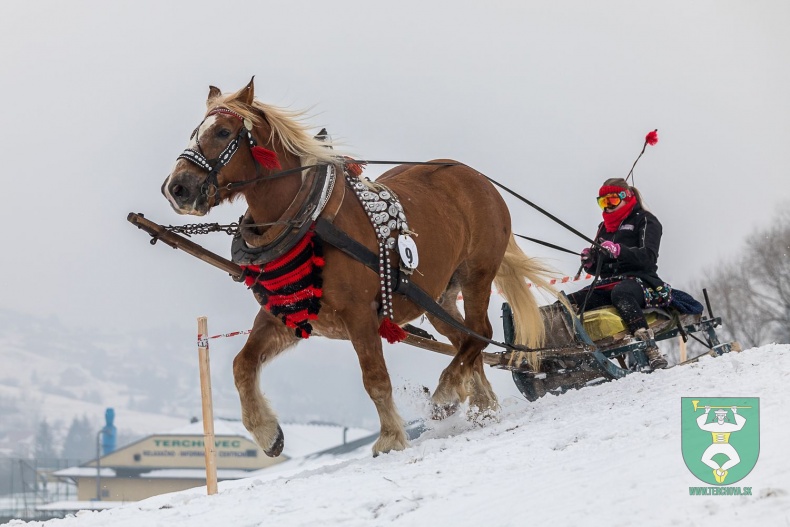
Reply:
x=503 y=187
x=546 y=244
x=239 y=184
x=544 y=212
x=245 y=182
x=210 y=186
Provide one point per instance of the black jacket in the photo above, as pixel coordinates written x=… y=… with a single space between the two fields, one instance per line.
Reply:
x=639 y=236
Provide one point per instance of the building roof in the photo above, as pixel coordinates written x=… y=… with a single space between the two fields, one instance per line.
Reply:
x=84 y=472
x=73 y=506
x=300 y=439
x=169 y=473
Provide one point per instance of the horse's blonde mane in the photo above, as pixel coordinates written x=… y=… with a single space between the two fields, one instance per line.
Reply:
x=287 y=126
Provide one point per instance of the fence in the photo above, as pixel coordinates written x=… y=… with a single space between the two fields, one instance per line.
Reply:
x=26 y=484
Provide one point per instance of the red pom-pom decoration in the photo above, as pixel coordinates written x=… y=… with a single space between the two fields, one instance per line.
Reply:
x=267 y=158
x=390 y=331
x=650 y=139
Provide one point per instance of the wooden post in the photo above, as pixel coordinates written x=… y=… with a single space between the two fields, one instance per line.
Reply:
x=208 y=410
x=683 y=352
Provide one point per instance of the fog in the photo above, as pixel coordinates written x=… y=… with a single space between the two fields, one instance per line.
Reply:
x=548 y=98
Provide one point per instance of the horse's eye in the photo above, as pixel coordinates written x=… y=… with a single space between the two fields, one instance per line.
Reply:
x=223 y=133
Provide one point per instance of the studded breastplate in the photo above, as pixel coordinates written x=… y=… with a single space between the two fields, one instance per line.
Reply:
x=387 y=216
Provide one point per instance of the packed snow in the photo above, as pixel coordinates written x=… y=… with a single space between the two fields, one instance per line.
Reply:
x=607 y=455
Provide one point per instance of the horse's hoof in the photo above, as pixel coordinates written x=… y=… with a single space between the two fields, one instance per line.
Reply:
x=387 y=443
x=277 y=445
x=482 y=417
x=443 y=411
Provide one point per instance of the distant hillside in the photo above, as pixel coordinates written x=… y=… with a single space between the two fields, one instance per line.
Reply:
x=57 y=373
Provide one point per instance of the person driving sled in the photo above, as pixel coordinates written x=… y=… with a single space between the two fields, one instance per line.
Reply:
x=629 y=237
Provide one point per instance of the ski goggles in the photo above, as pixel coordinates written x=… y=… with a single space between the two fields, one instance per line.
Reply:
x=612 y=200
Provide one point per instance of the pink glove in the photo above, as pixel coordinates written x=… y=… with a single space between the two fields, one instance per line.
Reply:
x=588 y=260
x=613 y=248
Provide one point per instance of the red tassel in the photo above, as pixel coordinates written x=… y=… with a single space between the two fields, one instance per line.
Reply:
x=267 y=158
x=355 y=169
x=652 y=137
x=391 y=331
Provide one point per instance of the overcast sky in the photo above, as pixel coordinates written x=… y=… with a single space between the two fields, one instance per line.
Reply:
x=550 y=98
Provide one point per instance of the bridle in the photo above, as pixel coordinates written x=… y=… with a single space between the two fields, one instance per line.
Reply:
x=210 y=186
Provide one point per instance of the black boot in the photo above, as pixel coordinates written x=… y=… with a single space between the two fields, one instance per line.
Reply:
x=656 y=360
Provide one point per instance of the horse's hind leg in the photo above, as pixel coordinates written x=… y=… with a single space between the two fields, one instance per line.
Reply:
x=367 y=343
x=269 y=337
x=447 y=396
x=482 y=398
x=464 y=376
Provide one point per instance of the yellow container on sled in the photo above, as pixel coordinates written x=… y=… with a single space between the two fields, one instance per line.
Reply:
x=605 y=322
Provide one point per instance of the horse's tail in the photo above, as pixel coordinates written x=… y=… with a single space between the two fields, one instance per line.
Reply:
x=510 y=281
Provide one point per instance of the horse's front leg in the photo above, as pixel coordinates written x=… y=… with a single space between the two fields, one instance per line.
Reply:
x=269 y=337
x=363 y=333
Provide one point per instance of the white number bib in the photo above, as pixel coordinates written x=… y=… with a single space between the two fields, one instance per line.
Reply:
x=408 y=251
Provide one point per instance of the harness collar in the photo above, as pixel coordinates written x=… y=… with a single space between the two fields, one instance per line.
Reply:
x=313 y=198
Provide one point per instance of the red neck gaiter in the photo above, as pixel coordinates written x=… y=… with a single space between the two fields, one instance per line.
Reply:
x=612 y=220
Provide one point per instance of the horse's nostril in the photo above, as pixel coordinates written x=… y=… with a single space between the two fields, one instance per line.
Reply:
x=179 y=191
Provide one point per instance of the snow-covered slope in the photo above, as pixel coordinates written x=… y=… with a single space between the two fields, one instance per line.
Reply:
x=608 y=455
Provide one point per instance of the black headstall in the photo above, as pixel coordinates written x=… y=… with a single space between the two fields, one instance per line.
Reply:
x=210 y=186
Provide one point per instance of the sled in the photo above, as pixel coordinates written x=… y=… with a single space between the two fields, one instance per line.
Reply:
x=579 y=354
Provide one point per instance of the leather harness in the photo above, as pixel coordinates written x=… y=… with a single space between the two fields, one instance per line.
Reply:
x=316 y=203
x=250 y=248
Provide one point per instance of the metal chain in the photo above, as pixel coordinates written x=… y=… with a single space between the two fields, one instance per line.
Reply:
x=204 y=228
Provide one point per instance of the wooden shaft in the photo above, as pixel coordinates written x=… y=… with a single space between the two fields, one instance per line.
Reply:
x=177 y=241
x=492 y=359
x=208 y=411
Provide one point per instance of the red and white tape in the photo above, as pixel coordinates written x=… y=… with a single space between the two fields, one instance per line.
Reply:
x=553 y=281
x=567 y=279
x=233 y=334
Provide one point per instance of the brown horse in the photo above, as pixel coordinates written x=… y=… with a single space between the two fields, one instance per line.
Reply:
x=463 y=233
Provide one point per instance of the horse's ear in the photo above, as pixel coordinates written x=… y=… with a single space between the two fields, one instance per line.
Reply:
x=247 y=94
x=213 y=93
x=323 y=136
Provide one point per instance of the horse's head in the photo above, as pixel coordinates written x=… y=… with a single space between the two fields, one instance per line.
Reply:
x=222 y=150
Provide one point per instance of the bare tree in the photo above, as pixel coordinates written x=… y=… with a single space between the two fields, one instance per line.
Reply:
x=768 y=260
x=729 y=288
x=752 y=292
